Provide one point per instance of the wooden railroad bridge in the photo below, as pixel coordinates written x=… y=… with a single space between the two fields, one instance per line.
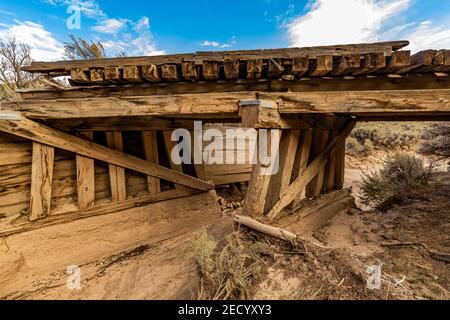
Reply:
x=120 y=113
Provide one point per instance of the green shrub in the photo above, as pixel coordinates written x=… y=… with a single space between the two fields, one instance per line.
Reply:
x=227 y=273
x=402 y=178
x=436 y=140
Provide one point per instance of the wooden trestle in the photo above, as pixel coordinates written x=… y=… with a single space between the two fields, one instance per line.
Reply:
x=313 y=97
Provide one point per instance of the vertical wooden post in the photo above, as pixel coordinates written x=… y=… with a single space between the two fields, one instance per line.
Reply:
x=85 y=178
x=320 y=141
x=282 y=180
x=302 y=158
x=116 y=174
x=340 y=167
x=169 y=145
x=41 y=181
x=150 y=145
x=330 y=169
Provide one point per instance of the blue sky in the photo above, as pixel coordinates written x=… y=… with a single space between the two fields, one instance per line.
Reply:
x=154 y=27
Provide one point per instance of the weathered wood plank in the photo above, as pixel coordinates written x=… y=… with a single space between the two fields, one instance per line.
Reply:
x=41 y=181
x=150 y=145
x=189 y=71
x=169 y=72
x=210 y=70
x=330 y=170
x=132 y=74
x=302 y=158
x=150 y=72
x=274 y=69
x=231 y=69
x=321 y=66
x=169 y=146
x=40 y=133
x=116 y=173
x=85 y=178
x=339 y=174
x=320 y=142
x=308 y=175
x=254 y=69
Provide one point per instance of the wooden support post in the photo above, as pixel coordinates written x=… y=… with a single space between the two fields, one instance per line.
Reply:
x=169 y=145
x=302 y=158
x=320 y=142
x=282 y=180
x=85 y=178
x=116 y=174
x=330 y=169
x=150 y=145
x=311 y=171
x=340 y=166
x=41 y=181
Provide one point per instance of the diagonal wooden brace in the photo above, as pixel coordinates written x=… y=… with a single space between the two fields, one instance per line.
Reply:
x=311 y=171
x=37 y=132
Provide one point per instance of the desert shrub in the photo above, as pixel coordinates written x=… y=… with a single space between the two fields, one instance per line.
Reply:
x=402 y=178
x=356 y=149
x=388 y=135
x=436 y=140
x=227 y=273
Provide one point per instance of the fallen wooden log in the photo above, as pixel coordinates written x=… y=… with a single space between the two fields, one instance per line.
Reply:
x=266 y=229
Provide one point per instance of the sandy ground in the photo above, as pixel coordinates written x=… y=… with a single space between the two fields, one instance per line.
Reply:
x=148 y=263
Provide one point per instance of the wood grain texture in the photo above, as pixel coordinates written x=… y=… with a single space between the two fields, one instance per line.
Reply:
x=116 y=173
x=150 y=145
x=41 y=181
x=85 y=178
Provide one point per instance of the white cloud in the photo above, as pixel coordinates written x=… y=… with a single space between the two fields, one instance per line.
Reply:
x=44 y=47
x=426 y=36
x=215 y=44
x=344 y=21
x=110 y=26
x=90 y=8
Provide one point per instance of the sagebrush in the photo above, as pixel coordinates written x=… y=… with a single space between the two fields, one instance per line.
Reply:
x=228 y=272
x=403 y=177
x=436 y=140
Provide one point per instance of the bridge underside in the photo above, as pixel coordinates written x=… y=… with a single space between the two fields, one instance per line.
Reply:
x=313 y=102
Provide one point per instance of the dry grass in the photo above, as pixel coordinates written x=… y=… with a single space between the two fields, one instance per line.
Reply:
x=228 y=272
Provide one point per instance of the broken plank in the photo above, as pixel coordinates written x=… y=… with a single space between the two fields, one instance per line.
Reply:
x=41 y=181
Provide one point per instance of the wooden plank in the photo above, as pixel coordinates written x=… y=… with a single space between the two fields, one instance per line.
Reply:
x=41 y=181
x=321 y=66
x=275 y=70
x=169 y=146
x=169 y=72
x=320 y=142
x=330 y=169
x=210 y=70
x=189 y=71
x=432 y=101
x=40 y=133
x=112 y=74
x=231 y=69
x=339 y=174
x=346 y=64
x=150 y=72
x=254 y=69
x=420 y=61
x=313 y=52
x=280 y=181
x=85 y=178
x=300 y=66
x=79 y=76
x=302 y=158
x=220 y=104
x=396 y=62
x=255 y=198
x=308 y=175
x=150 y=145
x=116 y=173
x=132 y=74
x=97 y=75
x=371 y=62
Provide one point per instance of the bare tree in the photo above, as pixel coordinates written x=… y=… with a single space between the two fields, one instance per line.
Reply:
x=13 y=56
x=80 y=49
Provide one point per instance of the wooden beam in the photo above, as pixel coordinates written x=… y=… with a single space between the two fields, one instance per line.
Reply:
x=302 y=158
x=169 y=146
x=150 y=73
x=112 y=74
x=280 y=181
x=322 y=66
x=41 y=181
x=231 y=69
x=150 y=145
x=85 y=178
x=313 y=52
x=361 y=102
x=132 y=74
x=211 y=70
x=266 y=229
x=116 y=173
x=219 y=104
x=274 y=69
x=300 y=66
x=308 y=175
x=254 y=69
x=320 y=142
x=339 y=174
x=330 y=170
x=371 y=62
x=189 y=71
x=169 y=72
x=40 y=133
